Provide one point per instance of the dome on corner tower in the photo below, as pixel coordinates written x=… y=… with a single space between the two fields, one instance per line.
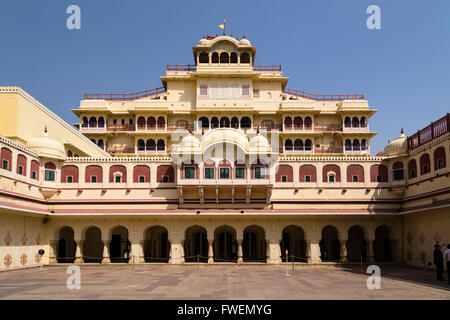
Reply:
x=203 y=42
x=245 y=42
x=397 y=147
x=47 y=147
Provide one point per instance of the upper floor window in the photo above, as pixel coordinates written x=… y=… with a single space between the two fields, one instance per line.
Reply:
x=49 y=175
x=5 y=164
x=255 y=93
x=307 y=178
x=245 y=90
x=203 y=90
x=224 y=173
x=118 y=179
x=20 y=170
x=260 y=173
x=240 y=173
x=34 y=175
x=209 y=173
x=189 y=172
x=331 y=178
x=141 y=179
x=165 y=179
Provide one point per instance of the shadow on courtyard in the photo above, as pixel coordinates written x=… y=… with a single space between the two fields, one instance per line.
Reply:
x=412 y=275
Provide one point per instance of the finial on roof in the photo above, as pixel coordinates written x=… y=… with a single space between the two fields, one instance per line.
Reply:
x=243 y=36
x=217 y=34
x=45 y=129
x=204 y=36
x=401 y=131
x=237 y=37
x=231 y=34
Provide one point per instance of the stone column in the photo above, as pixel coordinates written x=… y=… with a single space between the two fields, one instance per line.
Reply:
x=308 y=251
x=182 y=251
x=176 y=253
x=343 y=250
x=135 y=252
x=210 y=251
x=79 y=251
x=53 y=252
x=274 y=252
x=106 y=258
x=315 y=251
x=141 y=251
x=268 y=251
x=240 y=253
x=370 y=254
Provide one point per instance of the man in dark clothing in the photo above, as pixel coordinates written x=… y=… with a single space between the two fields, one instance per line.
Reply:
x=439 y=262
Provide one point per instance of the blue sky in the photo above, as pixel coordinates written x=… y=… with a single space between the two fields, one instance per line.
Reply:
x=324 y=47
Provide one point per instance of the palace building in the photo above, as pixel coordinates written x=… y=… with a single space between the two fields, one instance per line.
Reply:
x=223 y=163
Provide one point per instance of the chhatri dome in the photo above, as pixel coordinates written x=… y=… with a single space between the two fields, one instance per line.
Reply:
x=47 y=147
x=397 y=147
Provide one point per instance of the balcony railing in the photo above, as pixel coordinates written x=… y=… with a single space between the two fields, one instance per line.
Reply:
x=434 y=130
x=267 y=67
x=120 y=150
x=181 y=67
x=328 y=150
x=323 y=97
x=121 y=127
x=124 y=96
x=328 y=127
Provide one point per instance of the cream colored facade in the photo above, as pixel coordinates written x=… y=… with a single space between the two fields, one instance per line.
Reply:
x=221 y=164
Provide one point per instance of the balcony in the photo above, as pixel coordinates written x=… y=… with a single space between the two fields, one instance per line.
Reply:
x=434 y=130
x=181 y=67
x=356 y=152
x=92 y=129
x=121 y=127
x=323 y=97
x=124 y=96
x=120 y=150
x=151 y=152
x=267 y=68
x=329 y=150
x=223 y=182
x=328 y=127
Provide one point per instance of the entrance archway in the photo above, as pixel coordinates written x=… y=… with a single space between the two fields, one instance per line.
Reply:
x=293 y=240
x=120 y=246
x=225 y=245
x=156 y=245
x=93 y=245
x=356 y=245
x=66 y=246
x=382 y=246
x=254 y=244
x=196 y=244
x=330 y=248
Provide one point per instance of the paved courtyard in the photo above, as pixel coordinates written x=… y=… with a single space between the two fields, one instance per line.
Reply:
x=220 y=282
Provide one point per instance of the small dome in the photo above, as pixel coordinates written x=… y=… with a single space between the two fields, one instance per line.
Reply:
x=47 y=147
x=245 y=42
x=203 y=41
x=396 y=147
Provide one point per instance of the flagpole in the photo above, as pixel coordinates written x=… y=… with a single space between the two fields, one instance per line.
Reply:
x=224 y=22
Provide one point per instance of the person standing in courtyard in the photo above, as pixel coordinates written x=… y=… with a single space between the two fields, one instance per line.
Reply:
x=447 y=259
x=438 y=262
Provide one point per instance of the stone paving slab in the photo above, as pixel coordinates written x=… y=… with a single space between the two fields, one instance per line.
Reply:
x=221 y=282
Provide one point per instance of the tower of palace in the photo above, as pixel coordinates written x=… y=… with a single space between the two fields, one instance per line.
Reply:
x=222 y=163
